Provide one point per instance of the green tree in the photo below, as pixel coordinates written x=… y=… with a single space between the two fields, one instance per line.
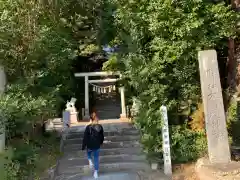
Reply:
x=39 y=41
x=159 y=41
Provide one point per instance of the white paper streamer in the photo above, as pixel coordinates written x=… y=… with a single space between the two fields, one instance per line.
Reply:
x=103 y=89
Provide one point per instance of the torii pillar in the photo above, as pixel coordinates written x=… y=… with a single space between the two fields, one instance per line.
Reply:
x=123 y=104
x=86 y=115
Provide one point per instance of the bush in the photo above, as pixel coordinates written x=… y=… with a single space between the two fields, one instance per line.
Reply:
x=198 y=123
x=233 y=122
x=159 y=42
x=22 y=114
x=186 y=144
x=29 y=159
x=21 y=111
x=8 y=168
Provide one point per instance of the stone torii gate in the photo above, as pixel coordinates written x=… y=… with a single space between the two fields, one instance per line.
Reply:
x=86 y=75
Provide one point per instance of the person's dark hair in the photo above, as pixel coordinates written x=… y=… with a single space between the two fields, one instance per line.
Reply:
x=93 y=118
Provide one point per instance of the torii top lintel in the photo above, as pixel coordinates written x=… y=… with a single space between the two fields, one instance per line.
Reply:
x=103 y=73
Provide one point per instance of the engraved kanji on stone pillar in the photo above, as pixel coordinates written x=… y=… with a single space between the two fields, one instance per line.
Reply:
x=217 y=135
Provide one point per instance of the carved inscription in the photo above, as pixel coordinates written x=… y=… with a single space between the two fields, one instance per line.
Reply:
x=213 y=90
x=217 y=136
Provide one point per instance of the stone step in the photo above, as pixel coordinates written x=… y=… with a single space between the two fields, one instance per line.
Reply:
x=112 y=123
x=103 y=103
x=53 y=123
x=79 y=161
x=108 y=127
x=109 y=117
x=56 y=123
x=105 y=152
x=56 y=120
x=120 y=175
x=110 y=113
x=109 y=108
x=109 y=103
x=106 y=111
x=123 y=125
x=54 y=128
x=107 y=98
x=73 y=135
x=104 y=167
x=108 y=138
x=106 y=117
x=106 y=145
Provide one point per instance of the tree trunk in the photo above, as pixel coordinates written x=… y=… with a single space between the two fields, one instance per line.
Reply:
x=237 y=56
x=233 y=66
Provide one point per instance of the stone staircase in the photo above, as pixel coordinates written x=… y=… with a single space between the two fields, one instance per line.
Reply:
x=121 y=156
x=55 y=124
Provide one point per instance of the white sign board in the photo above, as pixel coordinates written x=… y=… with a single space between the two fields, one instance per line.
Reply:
x=166 y=142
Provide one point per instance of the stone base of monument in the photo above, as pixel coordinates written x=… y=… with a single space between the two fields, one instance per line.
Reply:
x=123 y=117
x=86 y=118
x=207 y=171
x=154 y=166
x=73 y=117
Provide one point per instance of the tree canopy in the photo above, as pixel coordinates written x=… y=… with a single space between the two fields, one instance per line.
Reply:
x=159 y=41
x=40 y=43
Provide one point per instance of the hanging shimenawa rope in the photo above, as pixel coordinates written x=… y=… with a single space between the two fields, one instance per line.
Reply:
x=103 y=89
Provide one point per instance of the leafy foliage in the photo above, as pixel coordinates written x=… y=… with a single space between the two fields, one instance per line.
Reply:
x=40 y=40
x=198 y=122
x=29 y=159
x=233 y=122
x=159 y=41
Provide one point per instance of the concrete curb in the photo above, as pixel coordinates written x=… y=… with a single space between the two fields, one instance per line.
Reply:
x=63 y=138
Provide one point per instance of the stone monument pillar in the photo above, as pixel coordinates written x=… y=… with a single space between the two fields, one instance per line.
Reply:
x=217 y=135
x=3 y=81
